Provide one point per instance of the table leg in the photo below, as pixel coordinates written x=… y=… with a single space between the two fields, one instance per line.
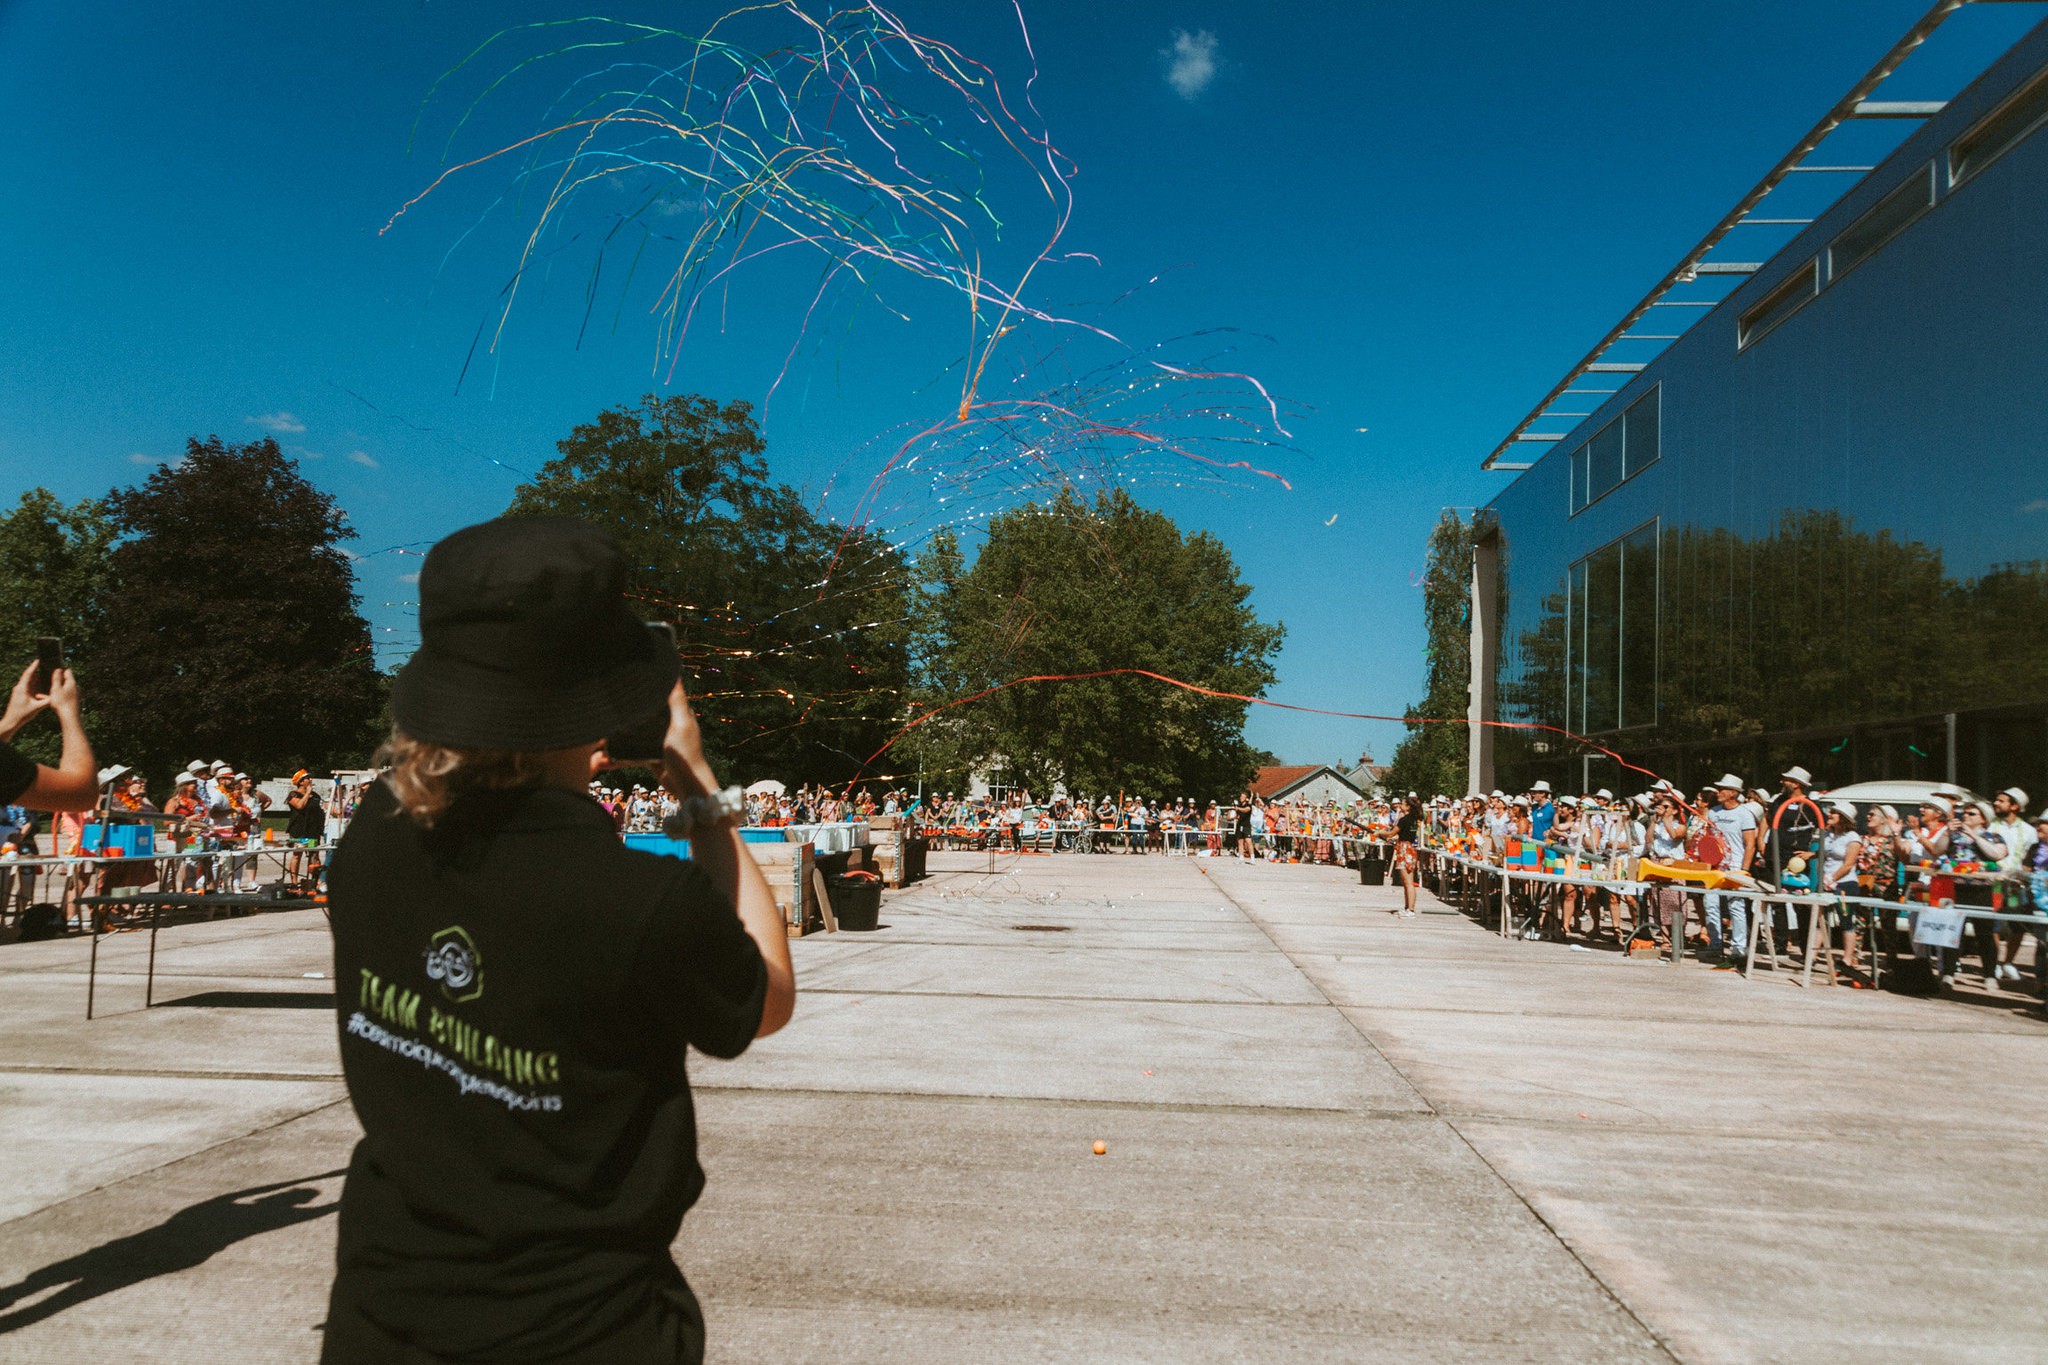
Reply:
x=1758 y=908
x=92 y=972
x=149 y=982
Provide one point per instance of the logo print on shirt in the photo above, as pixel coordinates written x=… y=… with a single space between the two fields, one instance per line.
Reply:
x=453 y=960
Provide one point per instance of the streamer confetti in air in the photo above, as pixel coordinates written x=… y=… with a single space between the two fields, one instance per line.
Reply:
x=893 y=174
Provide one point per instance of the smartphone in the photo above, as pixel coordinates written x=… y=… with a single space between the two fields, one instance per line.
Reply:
x=49 y=658
x=641 y=742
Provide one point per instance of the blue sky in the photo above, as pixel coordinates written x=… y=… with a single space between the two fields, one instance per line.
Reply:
x=1424 y=213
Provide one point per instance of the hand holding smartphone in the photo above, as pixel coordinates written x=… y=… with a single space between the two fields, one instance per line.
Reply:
x=49 y=658
x=641 y=744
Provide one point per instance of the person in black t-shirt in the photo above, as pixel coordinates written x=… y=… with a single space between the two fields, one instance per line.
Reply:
x=71 y=785
x=517 y=989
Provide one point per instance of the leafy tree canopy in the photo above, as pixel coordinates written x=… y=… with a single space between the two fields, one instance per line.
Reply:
x=791 y=628
x=1071 y=587
x=229 y=622
x=53 y=559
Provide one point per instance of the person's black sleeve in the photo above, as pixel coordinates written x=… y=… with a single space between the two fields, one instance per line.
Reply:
x=17 y=774
x=698 y=971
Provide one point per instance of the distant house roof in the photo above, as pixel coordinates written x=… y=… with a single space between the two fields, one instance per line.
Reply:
x=1274 y=784
x=1368 y=775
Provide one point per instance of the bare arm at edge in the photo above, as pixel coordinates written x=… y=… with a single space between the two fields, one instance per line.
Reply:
x=720 y=853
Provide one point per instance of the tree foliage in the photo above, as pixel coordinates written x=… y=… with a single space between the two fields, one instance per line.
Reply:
x=229 y=622
x=1433 y=758
x=791 y=627
x=53 y=559
x=1068 y=588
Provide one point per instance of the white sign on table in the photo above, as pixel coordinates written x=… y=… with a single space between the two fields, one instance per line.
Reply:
x=1939 y=927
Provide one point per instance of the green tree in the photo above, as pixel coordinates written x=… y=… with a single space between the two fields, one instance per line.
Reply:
x=230 y=623
x=791 y=628
x=1068 y=588
x=53 y=561
x=1432 y=758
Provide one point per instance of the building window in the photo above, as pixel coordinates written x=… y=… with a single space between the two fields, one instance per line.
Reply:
x=1618 y=451
x=1781 y=303
x=2000 y=131
x=1611 y=635
x=1644 y=440
x=1884 y=220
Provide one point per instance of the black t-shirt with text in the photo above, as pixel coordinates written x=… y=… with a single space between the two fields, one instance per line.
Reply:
x=515 y=992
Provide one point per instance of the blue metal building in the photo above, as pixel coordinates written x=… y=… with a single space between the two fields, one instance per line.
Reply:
x=1809 y=522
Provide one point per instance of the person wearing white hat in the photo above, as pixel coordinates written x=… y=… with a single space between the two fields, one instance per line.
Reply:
x=1736 y=823
x=1948 y=831
x=1789 y=827
x=2009 y=823
x=1542 y=810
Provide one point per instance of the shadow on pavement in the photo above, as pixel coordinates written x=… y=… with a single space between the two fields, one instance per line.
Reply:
x=185 y=1239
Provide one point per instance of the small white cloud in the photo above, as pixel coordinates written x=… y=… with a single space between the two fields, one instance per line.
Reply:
x=281 y=422
x=408 y=578
x=364 y=458
x=306 y=454
x=1190 y=62
x=2037 y=505
x=139 y=458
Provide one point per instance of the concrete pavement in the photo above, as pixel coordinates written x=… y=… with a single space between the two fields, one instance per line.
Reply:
x=1332 y=1134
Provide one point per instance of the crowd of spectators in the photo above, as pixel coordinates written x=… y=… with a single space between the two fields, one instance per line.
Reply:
x=203 y=836
x=1949 y=847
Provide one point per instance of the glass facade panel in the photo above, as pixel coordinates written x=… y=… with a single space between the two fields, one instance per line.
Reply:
x=1839 y=557
x=1598 y=675
x=1638 y=643
x=1781 y=303
x=1885 y=220
x=1642 y=433
x=2023 y=114
x=1575 y=649
x=1603 y=461
x=1611 y=665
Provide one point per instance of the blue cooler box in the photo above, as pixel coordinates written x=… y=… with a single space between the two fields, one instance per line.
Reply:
x=657 y=842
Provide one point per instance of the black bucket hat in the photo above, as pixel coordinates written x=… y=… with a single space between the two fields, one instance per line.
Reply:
x=526 y=641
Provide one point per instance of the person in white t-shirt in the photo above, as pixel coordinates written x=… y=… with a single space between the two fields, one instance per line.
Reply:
x=1841 y=856
x=1736 y=821
x=2009 y=824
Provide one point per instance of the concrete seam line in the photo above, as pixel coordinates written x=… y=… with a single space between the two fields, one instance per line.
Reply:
x=176 y=1160
x=1061 y=1101
x=884 y=993
x=1506 y=1184
x=164 y=1073
x=1619 y=1302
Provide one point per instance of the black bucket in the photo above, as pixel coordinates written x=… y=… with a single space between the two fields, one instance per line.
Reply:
x=1372 y=870
x=856 y=902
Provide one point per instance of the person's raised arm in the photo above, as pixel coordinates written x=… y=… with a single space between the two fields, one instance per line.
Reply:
x=718 y=850
x=70 y=785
